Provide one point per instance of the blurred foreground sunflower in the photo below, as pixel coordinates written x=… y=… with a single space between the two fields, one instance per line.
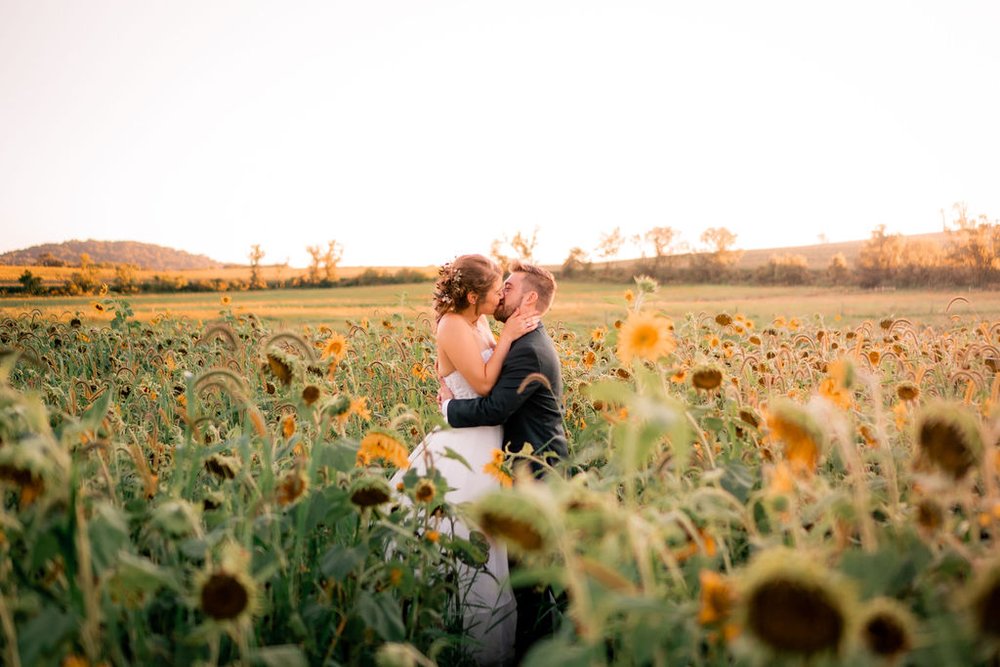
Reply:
x=645 y=336
x=793 y=606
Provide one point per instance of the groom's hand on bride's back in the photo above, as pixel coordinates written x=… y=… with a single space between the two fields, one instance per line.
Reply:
x=444 y=394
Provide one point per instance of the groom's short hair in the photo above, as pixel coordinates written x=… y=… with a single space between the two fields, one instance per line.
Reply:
x=539 y=280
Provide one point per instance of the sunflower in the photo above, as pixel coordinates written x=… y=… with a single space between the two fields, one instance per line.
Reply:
x=907 y=391
x=516 y=519
x=359 y=407
x=792 y=605
x=887 y=628
x=177 y=518
x=370 y=491
x=227 y=593
x=292 y=486
x=496 y=469
x=796 y=429
x=748 y=416
x=948 y=439
x=310 y=394
x=983 y=602
x=717 y=598
x=424 y=491
x=288 y=426
x=723 y=319
x=226 y=300
x=335 y=348
x=706 y=377
x=645 y=336
x=223 y=467
x=384 y=446
x=280 y=367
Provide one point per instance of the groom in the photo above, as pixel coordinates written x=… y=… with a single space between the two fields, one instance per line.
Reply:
x=527 y=401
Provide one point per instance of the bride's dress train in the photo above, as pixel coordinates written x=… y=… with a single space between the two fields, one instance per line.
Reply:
x=489 y=611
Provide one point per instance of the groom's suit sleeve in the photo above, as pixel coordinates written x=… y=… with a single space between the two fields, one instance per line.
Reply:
x=504 y=399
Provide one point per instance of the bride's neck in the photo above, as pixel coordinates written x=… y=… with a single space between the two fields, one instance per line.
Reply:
x=469 y=315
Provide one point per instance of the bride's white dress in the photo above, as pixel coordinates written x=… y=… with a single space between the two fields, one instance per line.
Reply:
x=489 y=611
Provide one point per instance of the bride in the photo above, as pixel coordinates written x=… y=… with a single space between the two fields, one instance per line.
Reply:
x=469 y=361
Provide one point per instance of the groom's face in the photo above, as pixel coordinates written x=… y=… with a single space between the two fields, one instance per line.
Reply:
x=513 y=294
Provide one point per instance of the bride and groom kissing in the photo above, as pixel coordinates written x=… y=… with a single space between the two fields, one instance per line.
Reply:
x=496 y=392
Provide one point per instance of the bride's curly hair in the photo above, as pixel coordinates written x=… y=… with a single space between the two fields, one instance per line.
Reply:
x=468 y=274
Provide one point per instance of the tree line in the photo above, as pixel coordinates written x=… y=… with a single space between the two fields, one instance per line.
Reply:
x=970 y=257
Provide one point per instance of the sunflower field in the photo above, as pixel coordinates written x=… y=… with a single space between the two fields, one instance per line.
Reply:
x=737 y=492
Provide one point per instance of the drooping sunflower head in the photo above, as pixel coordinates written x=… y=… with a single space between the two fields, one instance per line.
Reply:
x=748 y=416
x=29 y=466
x=223 y=467
x=794 y=606
x=177 y=518
x=645 y=336
x=310 y=394
x=948 y=439
x=798 y=432
x=983 y=603
x=515 y=518
x=706 y=377
x=907 y=391
x=369 y=491
x=280 y=366
x=724 y=319
x=292 y=486
x=888 y=629
x=226 y=592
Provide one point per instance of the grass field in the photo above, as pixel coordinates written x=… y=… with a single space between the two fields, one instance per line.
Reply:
x=577 y=304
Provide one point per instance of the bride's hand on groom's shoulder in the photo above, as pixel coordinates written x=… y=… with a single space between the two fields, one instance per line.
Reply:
x=519 y=324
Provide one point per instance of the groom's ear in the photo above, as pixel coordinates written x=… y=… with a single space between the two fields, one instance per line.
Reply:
x=530 y=299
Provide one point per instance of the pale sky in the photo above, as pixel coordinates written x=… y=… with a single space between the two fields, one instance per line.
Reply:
x=413 y=131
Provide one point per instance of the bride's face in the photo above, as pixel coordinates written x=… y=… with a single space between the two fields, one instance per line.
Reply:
x=487 y=305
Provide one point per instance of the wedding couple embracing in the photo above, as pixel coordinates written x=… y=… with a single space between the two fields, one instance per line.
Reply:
x=493 y=398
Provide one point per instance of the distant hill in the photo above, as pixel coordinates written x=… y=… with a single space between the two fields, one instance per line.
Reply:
x=143 y=255
x=818 y=256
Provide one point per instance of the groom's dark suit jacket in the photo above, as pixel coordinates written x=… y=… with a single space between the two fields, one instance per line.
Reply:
x=534 y=414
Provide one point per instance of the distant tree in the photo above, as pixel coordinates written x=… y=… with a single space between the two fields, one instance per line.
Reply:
x=837 y=270
x=331 y=258
x=974 y=247
x=520 y=246
x=315 y=260
x=48 y=259
x=125 y=281
x=879 y=258
x=921 y=263
x=661 y=239
x=610 y=244
x=499 y=255
x=256 y=254
x=715 y=262
x=576 y=263
x=524 y=245
x=31 y=283
x=786 y=269
x=718 y=239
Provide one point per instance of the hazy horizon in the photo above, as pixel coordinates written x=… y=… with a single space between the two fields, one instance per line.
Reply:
x=414 y=132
